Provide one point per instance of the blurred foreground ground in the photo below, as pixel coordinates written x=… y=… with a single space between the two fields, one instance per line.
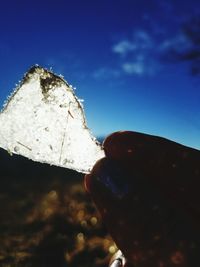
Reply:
x=47 y=219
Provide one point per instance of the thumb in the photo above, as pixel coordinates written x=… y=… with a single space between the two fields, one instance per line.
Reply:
x=147 y=190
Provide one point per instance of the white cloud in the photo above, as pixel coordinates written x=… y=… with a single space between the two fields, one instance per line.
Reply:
x=141 y=54
x=137 y=54
x=140 y=66
x=133 y=68
x=177 y=43
x=141 y=40
x=123 y=47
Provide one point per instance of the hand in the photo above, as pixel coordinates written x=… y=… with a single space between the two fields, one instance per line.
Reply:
x=147 y=190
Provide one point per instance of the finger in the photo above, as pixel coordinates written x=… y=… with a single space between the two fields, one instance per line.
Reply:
x=171 y=167
x=128 y=145
x=158 y=192
x=124 y=145
x=137 y=151
x=145 y=225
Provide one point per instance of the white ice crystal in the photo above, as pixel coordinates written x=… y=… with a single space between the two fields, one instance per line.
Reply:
x=44 y=121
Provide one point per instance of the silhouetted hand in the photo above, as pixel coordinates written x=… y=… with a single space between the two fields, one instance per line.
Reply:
x=147 y=189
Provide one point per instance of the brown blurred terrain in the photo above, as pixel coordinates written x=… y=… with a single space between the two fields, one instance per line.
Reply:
x=47 y=218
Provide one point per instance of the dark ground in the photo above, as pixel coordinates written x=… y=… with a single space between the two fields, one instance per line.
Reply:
x=47 y=219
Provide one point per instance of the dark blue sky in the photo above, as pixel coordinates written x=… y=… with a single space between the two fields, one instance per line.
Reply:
x=113 y=53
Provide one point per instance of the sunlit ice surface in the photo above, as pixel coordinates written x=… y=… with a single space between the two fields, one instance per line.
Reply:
x=44 y=121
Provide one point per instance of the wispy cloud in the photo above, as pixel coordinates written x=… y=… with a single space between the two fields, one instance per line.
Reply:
x=141 y=40
x=137 y=54
x=133 y=68
x=178 y=43
x=141 y=54
x=123 y=47
x=141 y=66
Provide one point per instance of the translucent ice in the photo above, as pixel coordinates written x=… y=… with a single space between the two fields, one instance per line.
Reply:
x=44 y=121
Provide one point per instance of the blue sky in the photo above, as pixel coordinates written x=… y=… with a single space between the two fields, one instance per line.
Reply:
x=112 y=52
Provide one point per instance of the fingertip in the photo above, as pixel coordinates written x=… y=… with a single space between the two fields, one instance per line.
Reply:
x=107 y=177
x=120 y=145
x=90 y=179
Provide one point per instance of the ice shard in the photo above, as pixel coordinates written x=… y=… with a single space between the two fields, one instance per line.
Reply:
x=43 y=120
